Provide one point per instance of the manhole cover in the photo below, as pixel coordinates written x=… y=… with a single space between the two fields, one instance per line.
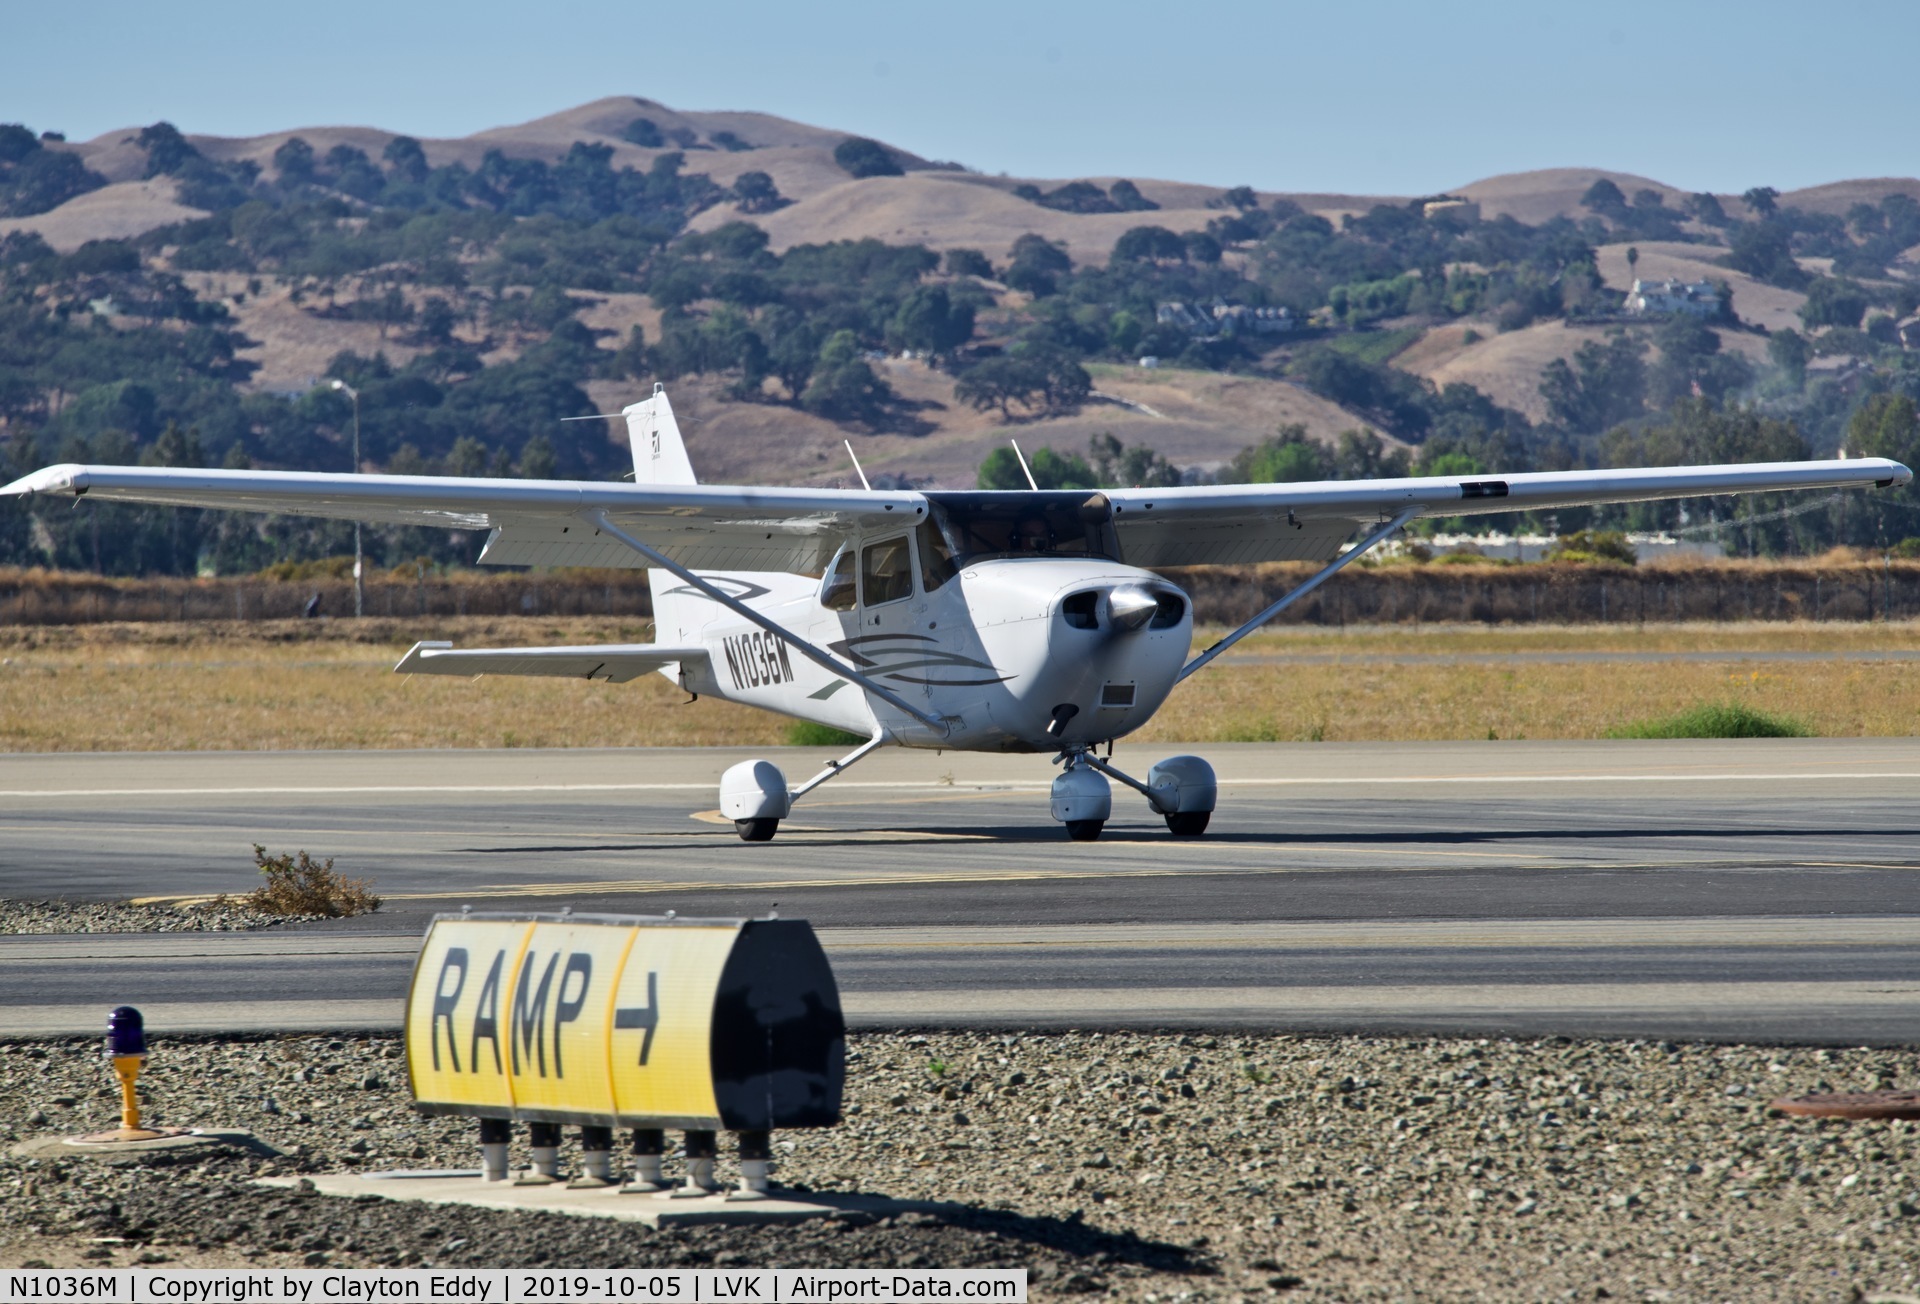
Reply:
x=1854 y=1104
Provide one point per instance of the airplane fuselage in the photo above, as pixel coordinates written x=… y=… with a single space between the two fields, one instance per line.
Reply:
x=1015 y=654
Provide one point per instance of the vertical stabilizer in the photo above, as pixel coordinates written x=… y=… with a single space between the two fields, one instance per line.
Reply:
x=658 y=455
x=659 y=458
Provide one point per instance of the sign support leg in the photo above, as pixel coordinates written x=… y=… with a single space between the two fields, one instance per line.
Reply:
x=649 y=1153
x=544 y=1139
x=596 y=1157
x=756 y=1166
x=702 y=1150
x=495 y=1136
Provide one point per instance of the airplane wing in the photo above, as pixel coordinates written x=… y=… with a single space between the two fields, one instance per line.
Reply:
x=533 y=522
x=614 y=662
x=719 y=527
x=1208 y=525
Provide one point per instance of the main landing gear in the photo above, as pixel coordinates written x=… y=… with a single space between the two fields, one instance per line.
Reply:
x=755 y=796
x=1182 y=789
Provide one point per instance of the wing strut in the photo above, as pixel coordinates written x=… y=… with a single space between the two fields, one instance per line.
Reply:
x=741 y=609
x=1331 y=569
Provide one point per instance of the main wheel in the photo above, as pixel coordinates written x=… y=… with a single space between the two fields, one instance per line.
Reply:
x=1188 y=823
x=1085 y=830
x=756 y=830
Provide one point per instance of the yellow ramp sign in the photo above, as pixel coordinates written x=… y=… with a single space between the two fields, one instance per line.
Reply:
x=620 y=1021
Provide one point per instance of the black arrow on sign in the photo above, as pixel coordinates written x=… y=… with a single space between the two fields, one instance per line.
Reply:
x=646 y=1018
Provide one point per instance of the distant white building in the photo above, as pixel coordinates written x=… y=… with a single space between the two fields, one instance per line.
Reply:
x=1223 y=318
x=1666 y=298
x=1236 y=318
x=1533 y=547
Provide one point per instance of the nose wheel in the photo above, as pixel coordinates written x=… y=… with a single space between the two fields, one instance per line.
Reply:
x=1085 y=830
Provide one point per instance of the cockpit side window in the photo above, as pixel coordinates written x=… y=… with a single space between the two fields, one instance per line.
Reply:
x=886 y=571
x=936 y=559
x=836 y=590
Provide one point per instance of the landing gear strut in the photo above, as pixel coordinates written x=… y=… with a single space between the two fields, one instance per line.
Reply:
x=1182 y=789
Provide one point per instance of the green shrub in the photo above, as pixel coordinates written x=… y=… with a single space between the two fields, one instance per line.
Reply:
x=1590 y=546
x=1715 y=720
x=805 y=733
x=302 y=572
x=1464 y=558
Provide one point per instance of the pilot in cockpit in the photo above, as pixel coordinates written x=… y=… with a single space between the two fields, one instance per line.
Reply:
x=1032 y=535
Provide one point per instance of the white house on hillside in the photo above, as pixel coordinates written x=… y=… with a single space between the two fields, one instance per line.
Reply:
x=1665 y=298
x=1223 y=318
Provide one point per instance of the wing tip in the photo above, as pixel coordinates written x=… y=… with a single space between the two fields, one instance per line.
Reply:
x=414 y=661
x=64 y=478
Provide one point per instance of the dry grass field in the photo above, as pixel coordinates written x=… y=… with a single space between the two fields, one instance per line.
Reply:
x=117 y=212
x=325 y=685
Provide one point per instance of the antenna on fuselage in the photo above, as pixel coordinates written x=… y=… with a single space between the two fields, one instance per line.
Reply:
x=856 y=465
x=1031 y=482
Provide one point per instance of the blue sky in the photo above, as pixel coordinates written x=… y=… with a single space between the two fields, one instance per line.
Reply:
x=1364 y=97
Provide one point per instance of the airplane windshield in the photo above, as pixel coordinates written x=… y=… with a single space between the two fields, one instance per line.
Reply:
x=1059 y=524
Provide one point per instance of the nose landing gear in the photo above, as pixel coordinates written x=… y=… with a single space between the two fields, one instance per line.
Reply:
x=1082 y=800
x=1182 y=789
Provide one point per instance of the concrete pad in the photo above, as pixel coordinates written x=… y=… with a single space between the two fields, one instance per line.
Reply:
x=69 y=1147
x=655 y=1210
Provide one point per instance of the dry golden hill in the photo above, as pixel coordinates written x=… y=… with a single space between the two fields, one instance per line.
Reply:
x=1544 y=193
x=1506 y=366
x=1534 y=197
x=116 y=212
x=940 y=207
x=1503 y=366
x=1191 y=417
x=947 y=210
x=289 y=343
x=1837 y=197
x=1200 y=418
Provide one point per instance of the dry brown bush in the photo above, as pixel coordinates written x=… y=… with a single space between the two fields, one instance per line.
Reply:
x=298 y=885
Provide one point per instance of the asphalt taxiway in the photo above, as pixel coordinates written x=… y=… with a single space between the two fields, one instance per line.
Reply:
x=1761 y=889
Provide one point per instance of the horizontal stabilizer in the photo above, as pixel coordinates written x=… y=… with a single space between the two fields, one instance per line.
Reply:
x=614 y=662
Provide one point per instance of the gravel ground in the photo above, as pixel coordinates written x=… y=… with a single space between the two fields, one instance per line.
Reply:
x=125 y=917
x=1142 y=1166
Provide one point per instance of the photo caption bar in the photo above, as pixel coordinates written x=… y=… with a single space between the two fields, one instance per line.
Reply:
x=515 y=1286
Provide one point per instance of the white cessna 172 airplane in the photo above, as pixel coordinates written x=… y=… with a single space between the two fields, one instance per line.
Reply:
x=1008 y=621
